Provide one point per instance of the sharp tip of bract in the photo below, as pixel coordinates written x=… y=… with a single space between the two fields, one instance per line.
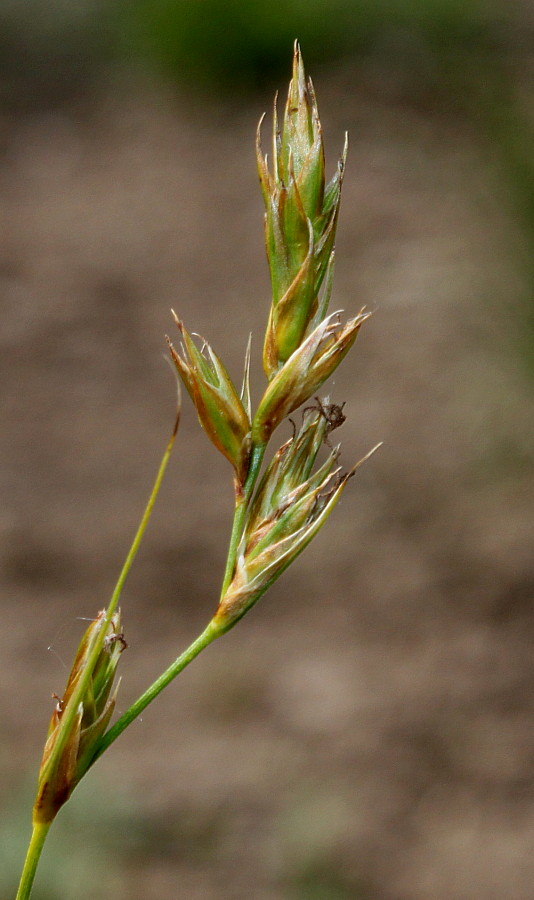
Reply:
x=364 y=459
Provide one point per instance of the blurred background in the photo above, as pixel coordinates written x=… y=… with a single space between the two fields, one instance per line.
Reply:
x=366 y=733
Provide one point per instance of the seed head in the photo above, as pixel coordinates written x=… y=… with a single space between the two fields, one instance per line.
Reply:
x=219 y=407
x=68 y=751
x=278 y=546
x=305 y=371
x=291 y=503
x=300 y=220
x=289 y=469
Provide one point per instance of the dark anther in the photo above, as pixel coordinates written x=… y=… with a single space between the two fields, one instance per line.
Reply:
x=332 y=413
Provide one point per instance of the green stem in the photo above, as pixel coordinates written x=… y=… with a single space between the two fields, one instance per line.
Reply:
x=71 y=709
x=141 y=529
x=40 y=830
x=241 y=509
x=208 y=635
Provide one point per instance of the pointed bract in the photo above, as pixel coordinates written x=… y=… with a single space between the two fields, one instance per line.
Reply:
x=300 y=220
x=219 y=407
x=256 y=571
x=304 y=372
x=68 y=752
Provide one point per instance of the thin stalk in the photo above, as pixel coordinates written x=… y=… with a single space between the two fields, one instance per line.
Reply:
x=143 y=524
x=70 y=711
x=40 y=830
x=241 y=509
x=208 y=635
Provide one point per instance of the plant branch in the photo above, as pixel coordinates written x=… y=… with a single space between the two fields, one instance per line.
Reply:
x=39 y=833
x=208 y=635
x=241 y=509
x=71 y=710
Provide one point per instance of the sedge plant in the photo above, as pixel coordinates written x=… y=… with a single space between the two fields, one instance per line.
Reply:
x=280 y=504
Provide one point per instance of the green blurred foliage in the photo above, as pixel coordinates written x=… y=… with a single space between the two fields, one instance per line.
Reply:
x=243 y=44
x=232 y=43
x=101 y=839
x=92 y=841
x=55 y=48
x=324 y=881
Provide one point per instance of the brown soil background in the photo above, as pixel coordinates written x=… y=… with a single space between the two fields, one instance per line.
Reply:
x=366 y=732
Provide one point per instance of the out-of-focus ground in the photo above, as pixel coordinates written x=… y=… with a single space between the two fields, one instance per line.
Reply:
x=366 y=732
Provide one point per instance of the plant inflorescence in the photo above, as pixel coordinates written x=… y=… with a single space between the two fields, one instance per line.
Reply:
x=280 y=505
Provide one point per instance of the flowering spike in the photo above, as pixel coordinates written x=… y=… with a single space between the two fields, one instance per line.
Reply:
x=219 y=408
x=300 y=219
x=290 y=467
x=68 y=751
x=256 y=572
x=304 y=372
x=273 y=520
